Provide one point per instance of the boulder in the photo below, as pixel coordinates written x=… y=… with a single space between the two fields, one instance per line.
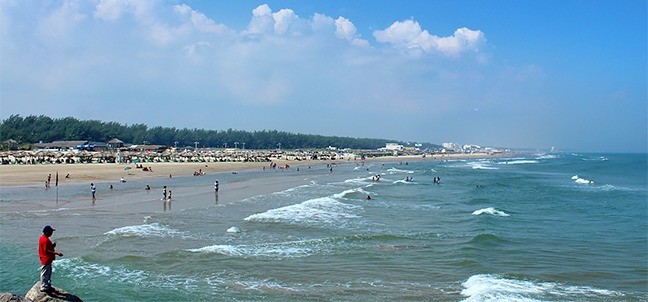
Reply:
x=54 y=295
x=9 y=297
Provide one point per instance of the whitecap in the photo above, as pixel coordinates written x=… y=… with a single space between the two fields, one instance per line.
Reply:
x=290 y=249
x=84 y=272
x=519 y=162
x=350 y=192
x=481 y=166
x=577 y=179
x=496 y=288
x=233 y=230
x=491 y=211
x=318 y=211
x=394 y=170
x=146 y=230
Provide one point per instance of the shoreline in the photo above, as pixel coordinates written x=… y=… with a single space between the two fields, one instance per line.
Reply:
x=37 y=174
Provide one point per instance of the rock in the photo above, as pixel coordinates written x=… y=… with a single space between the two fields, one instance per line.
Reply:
x=8 y=297
x=55 y=295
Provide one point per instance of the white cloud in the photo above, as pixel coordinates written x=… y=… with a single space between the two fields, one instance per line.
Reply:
x=61 y=19
x=344 y=29
x=199 y=21
x=262 y=21
x=284 y=18
x=111 y=10
x=262 y=10
x=408 y=35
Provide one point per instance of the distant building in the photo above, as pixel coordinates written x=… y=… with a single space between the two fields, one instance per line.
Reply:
x=115 y=143
x=60 y=145
x=394 y=147
x=452 y=147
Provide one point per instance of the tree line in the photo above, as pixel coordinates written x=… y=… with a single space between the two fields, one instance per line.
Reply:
x=33 y=129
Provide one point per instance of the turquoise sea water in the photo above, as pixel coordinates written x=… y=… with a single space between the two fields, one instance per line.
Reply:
x=537 y=227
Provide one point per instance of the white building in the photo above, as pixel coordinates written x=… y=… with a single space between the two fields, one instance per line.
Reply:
x=394 y=147
x=452 y=147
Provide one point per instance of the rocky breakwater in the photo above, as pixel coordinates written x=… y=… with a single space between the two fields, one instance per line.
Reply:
x=35 y=295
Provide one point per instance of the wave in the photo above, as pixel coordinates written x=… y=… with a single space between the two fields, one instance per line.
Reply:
x=233 y=230
x=316 y=212
x=344 y=193
x=291 y=249
x=600 y=158
x=581 y=181
x=491 y=211
x=518 y=162
x=83 y=270
x=147 y=230
x=309 y=247
x=481 y=166
x=394 y=170
x=546 y=156
x=485 y=287
x=486 y=239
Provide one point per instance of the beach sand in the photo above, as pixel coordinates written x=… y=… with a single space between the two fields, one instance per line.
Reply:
x=15 y=177
x=21 y=175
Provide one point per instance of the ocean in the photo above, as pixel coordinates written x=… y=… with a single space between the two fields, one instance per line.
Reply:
x=534 y=227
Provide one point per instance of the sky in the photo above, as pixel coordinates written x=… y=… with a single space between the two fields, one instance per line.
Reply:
x=516 y=74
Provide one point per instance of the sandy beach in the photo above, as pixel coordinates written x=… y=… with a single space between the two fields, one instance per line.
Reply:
x=37 y=174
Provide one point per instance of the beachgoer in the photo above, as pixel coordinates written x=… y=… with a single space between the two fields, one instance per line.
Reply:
x=368 y=197
x=164 y=193
x=169 y=195
x=216 y=186
x=148 y=188
x=93 y=189
x=67 y=175
x=111 y=186
x=47 y=254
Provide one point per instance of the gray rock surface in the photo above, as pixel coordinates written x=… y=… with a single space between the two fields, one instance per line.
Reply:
x=55 y=295
x=9 y=297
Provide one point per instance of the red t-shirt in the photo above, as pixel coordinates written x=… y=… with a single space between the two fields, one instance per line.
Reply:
x=46 y=250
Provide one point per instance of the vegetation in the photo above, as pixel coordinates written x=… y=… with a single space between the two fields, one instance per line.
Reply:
x=34 y=129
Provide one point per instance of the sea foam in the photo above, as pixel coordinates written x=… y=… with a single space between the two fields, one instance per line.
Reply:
x=491 y=211
x=289 y=249
x=581 y=181
x=146 y=230
x=498 y=288
x=318 y=211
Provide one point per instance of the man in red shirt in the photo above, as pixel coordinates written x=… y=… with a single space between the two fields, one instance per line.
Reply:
x=47 y=255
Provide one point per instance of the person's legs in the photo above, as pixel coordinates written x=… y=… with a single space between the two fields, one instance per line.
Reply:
x=46 y=277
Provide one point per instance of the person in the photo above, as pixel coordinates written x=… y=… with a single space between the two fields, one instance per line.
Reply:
x=216 y=186
x=47 y=254
x=164 y=193
x=93 y=188
x=368 y=197
x=148 y=188
x=169 y=196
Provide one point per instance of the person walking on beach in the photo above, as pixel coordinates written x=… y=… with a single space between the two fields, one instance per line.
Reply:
x=93 y=188
x=47 y=254
x=164 y=193
x=216 y=186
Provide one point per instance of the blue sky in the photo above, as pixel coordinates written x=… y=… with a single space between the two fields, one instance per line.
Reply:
x=519 y=74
